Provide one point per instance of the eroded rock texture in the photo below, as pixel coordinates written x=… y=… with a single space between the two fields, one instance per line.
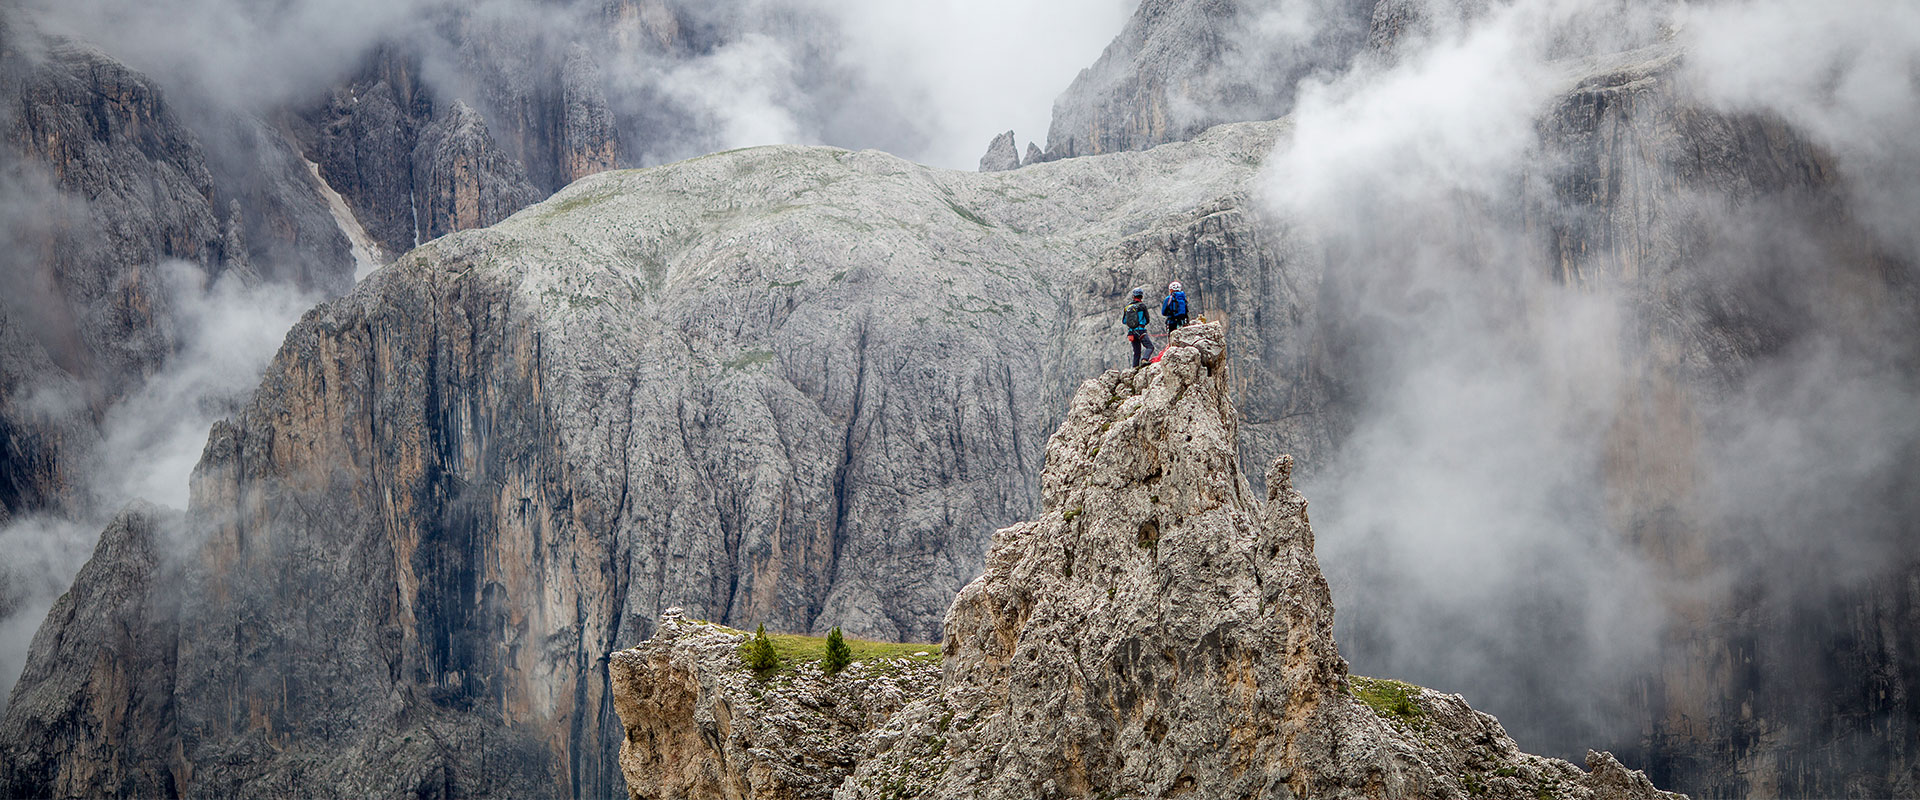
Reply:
x=103 y=184
x=1181 y=66
x=107 y=671
x=1001 y=154
x=790 y=385
x=1159 y=629
x=699 y=724
x=526 y=117
x=460 y=179
x=1731 y=240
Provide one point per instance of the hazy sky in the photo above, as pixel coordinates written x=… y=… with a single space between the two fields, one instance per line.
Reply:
x=950 y=75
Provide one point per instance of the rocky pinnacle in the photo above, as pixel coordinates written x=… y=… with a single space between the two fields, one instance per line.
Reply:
x=1158 y=629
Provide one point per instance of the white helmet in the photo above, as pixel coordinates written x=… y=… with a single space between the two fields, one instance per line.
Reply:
x=1174 y=286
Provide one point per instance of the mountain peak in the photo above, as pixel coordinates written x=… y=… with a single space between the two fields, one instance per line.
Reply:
x=1158 y=629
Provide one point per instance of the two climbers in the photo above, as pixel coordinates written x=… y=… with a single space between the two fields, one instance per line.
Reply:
x=1136 y=317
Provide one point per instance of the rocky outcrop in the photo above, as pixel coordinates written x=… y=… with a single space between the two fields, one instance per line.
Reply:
x=286 y=232
x=1002 y=154
x=589 y=142
x=461 y=181
x=1158 y=629
x=699 y=724
x=708 y=385
x=127 y=188
x=103 y=184
x=363 y=137
x=1182 y=66
x=1395 y=22
x=1629 y=193
x=415 y=162
x=107 y=671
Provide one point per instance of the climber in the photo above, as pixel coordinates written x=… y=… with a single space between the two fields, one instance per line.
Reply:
x=1174 y=308
x=1135 y=318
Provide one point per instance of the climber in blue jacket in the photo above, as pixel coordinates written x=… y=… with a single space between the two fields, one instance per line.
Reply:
x=1174 y=308
x=1136 y=318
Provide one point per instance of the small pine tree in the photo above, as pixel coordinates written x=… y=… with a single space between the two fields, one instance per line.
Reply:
x=760 y=656
x=838 y=654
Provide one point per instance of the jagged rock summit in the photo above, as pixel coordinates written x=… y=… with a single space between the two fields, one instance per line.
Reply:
x=1159 y=629
x=1002 y=154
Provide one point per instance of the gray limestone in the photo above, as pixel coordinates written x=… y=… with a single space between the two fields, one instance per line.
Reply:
x=1157 y=629
x=792 y=385
x=460 y=178
x=1181 y=66
x=1002 y=154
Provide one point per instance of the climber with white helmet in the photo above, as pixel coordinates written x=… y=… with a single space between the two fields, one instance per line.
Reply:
x=1174 y=308
x=1136 y=318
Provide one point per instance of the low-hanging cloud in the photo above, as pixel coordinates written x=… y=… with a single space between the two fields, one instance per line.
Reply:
x=928 y=82
x=931 y=82
x=228 y=329
x=1846 y=73
x=1479 y=523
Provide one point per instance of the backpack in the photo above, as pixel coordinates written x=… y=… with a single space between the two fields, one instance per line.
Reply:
x=1174 y=306
x=1136 y=317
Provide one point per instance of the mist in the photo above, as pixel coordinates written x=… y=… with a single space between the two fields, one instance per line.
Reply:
x=1500 y=522
x=932 y=82
x=228 y=329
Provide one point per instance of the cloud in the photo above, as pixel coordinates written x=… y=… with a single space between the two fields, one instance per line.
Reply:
x=964 y=72
x=1492 y=525
x=1844 y=72
x=43 y=554
x=928 y=81
x=227 y=332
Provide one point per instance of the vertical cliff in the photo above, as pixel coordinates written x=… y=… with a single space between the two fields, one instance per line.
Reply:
x=104 y=184
x=1736 y=250
x=108 y=671
x=1159 y=629
x=786 y=384
x=1182 y=66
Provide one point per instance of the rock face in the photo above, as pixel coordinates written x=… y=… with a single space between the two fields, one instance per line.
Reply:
x=701 y=725
x=103 y=184
x=1181 y=66
x=589 y=142
x=1730 y=710
x=101 y=676
x=363 y=137
x=106 y=184
x=710 y=385
x=128 y=187
x=1158 y=629
x=1627 y=195
x=1397 y=20
x=460 y=180
x=1002 y=154
x=529 y=115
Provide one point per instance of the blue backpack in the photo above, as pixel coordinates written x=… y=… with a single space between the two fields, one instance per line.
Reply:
x=1175 y=305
